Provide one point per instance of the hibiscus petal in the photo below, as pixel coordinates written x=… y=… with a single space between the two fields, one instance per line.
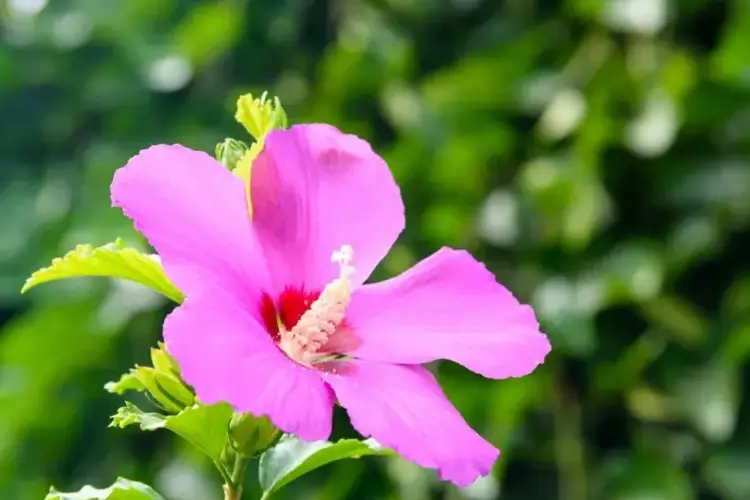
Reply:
x=404 y=409
x=315 y=189
x=448 y=306
x=226 y=355
x=193 y=211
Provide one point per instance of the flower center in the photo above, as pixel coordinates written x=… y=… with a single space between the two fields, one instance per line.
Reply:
x=292 y=304
x=305 y=321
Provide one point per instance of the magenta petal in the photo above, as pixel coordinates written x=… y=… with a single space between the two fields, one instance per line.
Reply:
x=448 y=306
x=315 y=189
x=194 y=212
x=226 y=355
x=404 y=409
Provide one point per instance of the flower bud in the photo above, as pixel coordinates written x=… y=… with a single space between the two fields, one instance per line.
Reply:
x=230 y=151
x=162 y=381
x=162 y=361
x=250 y=435
x=228 y=457
x=159 y=394
x=175 y=388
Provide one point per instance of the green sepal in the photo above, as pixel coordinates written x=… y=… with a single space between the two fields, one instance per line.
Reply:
x=250 y=435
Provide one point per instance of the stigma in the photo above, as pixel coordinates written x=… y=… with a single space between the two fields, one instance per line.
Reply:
x=318 y=323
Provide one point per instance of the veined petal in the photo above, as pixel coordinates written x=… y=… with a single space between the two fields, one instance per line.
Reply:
x=226 y=355
x=193 y=211
x=404 y=409
x=448 y=306
x=315 y=189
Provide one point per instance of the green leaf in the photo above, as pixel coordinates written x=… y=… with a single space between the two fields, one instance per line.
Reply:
x=207 y=31
x=725 y=473
x=292 y=458
x=203 y=426
x=642 y=476
x=114 y=260
x=122 y=489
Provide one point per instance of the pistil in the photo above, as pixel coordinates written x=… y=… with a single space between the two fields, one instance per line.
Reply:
x=319 y=322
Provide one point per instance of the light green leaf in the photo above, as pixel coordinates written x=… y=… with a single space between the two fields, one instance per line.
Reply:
x=292 y=458
x=203 y=426
x=207 y=31
x=122 y=489
x=114 y=260
x=709 y=398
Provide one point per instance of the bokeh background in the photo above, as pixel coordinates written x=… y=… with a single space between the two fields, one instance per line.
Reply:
x=593 y=152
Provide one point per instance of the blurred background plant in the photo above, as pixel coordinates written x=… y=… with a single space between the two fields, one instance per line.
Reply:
x=593 y=152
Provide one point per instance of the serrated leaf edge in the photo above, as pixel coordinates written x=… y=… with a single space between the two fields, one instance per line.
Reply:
x=156 y=279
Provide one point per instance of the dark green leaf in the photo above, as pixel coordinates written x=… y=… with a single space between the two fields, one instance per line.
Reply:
x=726 y=473
x=292 y=458
x=646 y=477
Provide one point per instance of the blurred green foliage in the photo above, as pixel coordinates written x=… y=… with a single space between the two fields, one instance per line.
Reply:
x=593 y=152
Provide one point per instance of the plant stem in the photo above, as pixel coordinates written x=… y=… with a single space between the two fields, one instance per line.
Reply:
x=224 y=474
x=569 y=449
x=232 y=494
x=233 y=488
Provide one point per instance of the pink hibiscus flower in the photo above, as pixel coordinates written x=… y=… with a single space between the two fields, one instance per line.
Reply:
x=272 y=297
